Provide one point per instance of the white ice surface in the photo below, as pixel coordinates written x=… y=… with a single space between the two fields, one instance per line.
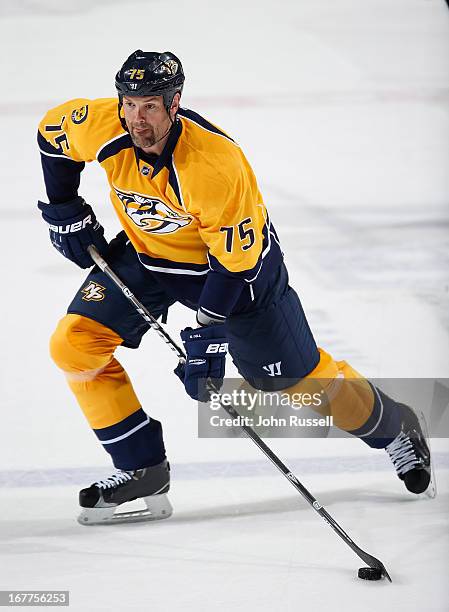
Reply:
x=342 y=108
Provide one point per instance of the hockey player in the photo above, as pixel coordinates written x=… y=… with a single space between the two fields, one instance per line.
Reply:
x=195 y=231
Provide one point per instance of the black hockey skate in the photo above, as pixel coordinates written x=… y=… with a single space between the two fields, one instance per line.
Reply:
x=100 y=501
x=410 y=453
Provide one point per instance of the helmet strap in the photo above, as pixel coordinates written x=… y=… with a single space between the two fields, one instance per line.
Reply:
x=121 y=119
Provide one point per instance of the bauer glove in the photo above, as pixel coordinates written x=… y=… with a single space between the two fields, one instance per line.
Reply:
x=73 y=227
x=206 y=349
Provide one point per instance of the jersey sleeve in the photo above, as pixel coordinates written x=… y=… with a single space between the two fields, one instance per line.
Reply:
x=232 y=227
x=64 y=147
x=236 y=232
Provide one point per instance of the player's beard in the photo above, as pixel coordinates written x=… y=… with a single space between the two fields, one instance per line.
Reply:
x=148 y=137
x=143 y=139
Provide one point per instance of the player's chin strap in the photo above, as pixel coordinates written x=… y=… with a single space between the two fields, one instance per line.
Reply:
x=167 y=132
x=148 y=317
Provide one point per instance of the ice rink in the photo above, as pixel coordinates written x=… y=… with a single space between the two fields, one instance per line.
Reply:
x=342 y=107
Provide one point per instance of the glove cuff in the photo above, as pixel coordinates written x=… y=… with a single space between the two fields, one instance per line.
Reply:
x=209 y=332
x=66 y=210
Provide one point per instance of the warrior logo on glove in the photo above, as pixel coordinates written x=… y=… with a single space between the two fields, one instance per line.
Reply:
x=151 y=214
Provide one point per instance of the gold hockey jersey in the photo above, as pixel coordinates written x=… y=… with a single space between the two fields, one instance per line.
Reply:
x=193 y=213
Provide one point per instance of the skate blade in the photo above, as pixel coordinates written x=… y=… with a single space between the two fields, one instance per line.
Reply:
x=158 y=508
x=431 y=491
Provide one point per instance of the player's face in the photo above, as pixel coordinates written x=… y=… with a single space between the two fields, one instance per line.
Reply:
x=147 y=119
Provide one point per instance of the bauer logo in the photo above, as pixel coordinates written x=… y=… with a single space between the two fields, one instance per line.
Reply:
x=80 y=114
x=217 y=348
x=151 y=215
x=93 y=292
x=71 y=228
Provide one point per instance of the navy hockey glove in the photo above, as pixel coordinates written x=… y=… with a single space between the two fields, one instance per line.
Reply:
x=206 y=349
x=73 y=227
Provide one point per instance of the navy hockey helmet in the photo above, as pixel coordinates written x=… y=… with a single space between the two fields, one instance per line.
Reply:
x=149 y=73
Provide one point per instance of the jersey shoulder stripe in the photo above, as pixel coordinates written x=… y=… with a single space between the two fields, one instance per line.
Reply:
x=114 y=146
x=191 y=115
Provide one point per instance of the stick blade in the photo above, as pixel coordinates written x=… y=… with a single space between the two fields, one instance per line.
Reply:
x=374 y=563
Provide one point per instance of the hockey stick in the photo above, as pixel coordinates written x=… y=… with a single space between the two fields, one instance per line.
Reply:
x=153 y=323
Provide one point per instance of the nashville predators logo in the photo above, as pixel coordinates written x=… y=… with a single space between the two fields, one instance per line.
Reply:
x=80 y=114
x=151 y=214
x=93 y=292
x=171 y=66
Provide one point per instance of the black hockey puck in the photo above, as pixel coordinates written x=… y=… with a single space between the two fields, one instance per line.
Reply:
x=369 y=573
